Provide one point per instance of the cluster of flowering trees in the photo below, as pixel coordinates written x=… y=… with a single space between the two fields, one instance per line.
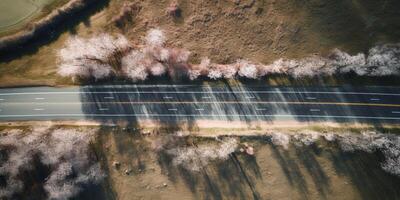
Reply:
x=388 y=144
x=104 y=56
x=93 y=57
x=195 y=158
x=65 y=151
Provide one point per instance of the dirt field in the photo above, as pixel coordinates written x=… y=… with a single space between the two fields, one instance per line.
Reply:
x=319 y=171
x=259 y=30
x=139 y=165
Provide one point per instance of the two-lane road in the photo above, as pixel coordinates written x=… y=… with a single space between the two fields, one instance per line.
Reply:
x=192 y=102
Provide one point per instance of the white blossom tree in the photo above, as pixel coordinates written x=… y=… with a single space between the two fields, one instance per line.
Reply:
x=157 y=69
x=102 y=56
x=65 y=151
x=385 y=60
x=135 y=65
x=90 y=58
x=155 y=37
x=247 y=69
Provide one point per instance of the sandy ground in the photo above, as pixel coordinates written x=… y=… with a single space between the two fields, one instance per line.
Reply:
x=213 y=128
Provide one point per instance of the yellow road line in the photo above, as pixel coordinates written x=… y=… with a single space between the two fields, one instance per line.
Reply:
x=214 y=102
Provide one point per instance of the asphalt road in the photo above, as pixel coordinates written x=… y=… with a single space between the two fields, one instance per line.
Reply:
x=174 y=103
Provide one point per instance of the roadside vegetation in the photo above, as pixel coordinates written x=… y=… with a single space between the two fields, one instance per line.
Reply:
x=288 y=38
x=103 y=57
x=47 y=163
x=274 y=42
x=106 y=162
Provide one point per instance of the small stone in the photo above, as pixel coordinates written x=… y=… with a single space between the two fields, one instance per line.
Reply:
x=128 y=171
x=250 y=150
x=146 y=133
x=116 y=164
x=165 y=184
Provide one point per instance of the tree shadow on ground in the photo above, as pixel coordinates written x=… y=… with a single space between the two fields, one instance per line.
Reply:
x=365 y=172
x=241 y=176
x=219 y=179
x=178 y=105
x=363 y=169
x=52 y=32
x=34 y=179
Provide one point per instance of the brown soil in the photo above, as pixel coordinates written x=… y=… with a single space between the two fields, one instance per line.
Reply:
x=265 y=30
x=319 y=171
x=259 y=30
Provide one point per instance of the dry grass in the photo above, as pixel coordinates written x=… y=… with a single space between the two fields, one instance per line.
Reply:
x=224 y=31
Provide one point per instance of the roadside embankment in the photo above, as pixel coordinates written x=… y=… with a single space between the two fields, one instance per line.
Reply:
x=216 y=128
x=53 y=19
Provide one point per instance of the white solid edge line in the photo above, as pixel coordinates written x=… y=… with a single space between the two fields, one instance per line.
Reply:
x=39 y=98
x=202 y=92
x=200 y=115
x=38 y=109
x=138 y=86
